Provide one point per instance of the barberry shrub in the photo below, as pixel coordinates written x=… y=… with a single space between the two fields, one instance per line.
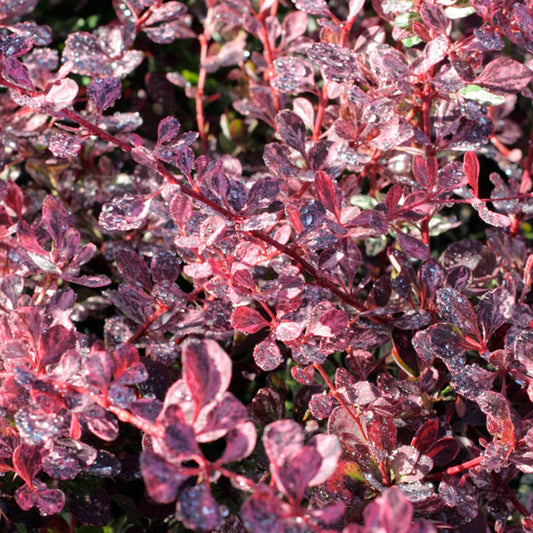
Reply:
x=266 y=266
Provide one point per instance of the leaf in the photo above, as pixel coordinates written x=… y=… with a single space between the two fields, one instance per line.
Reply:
x=206 y=370
x=104 y=92
x=168 y=130
x=240 y=443
x=248 y=320
x=197 y=508
x=494 y=309
x=27 y=462
x=287 y=331
x=125 y=213
x=293 y=471
x=181 y=442
x=504 y=75
x=490 y=217
x=313 y=7
x=330 y=450
x=413 y=246
x=267 y=355
x=133 y=268
x=455 y=308
x=471 y=168
x=337 y=62
x=280 y=434
x=162 y=479
x=222 y=416
x=291 y=129
x=355 y=7
x=426 y=435
x=481 y=96
x=54 y=342
x=60 y=95
x=325 y=188
x=64 y=145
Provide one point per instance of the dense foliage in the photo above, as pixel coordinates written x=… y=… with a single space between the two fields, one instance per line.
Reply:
x=266 y=266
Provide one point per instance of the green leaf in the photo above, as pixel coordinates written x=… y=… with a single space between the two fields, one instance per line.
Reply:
x=480 y=95
x=408 y=42
x=459 y=12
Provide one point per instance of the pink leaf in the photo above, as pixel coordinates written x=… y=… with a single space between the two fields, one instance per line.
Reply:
x=206 y=370
x=267 y=355
x=248 y=320
x=471 y=167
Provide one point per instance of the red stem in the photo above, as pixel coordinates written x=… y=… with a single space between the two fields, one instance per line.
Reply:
x=198 y=98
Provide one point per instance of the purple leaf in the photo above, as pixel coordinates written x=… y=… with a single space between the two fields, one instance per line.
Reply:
x=293 y=471
x=413 y=246
x=56 y=219
x=49 y=501
x=125 y=213
x=504 y=75
x=17 y=73
x=206 y=370
x=291 y=129
x=494 y=309
x=338 y=63
x=455 y=308
x=162 y=479
x=267 y=355
x=54 y=342
x=181 y=442
x=329 y=449
x=168 y=130
x=240 y=443
x=223 y=416
x=197 y=508
x=104 y=92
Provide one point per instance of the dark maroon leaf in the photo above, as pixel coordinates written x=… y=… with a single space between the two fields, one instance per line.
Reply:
x=443 y=451
x=168 y=130
x=455 y=307
x=133 y=268
x=104 y=92
x=181 y=441
x=426 y=435
x=91 y=506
